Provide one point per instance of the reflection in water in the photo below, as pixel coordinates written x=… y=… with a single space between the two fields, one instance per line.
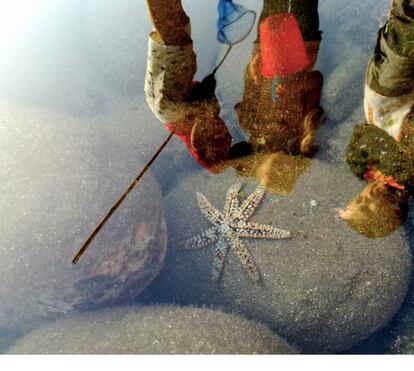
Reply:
x=280 y=108
x=377 y=211
x=189 y=109
x=234 y=23
x=323 y=290
x=382 y=150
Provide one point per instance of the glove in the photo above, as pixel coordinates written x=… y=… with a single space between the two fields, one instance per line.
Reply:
x=204 y=133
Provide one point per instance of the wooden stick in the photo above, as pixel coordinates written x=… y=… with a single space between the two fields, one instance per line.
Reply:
x=118 y=203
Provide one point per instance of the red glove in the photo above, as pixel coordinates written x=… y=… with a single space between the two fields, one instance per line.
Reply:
x=185 y=136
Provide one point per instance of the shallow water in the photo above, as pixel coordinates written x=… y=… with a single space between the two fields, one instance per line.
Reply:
x=75 y=129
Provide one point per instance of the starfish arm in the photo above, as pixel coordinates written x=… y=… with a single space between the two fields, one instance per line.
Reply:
x=256 y=230
x=251 y=203
x=220 y=253
x=232 y=200
x=245 y=257
x=208 y=210
x=201 y=240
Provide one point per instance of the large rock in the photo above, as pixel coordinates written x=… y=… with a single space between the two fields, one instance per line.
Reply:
x=60 y=175
x=324 y=289
x=153 y=330
x=398 y=336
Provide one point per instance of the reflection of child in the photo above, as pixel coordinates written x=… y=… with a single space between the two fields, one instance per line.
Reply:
x=171 y=93
x=288 y=125
x=278 y=126
x=389 y=88
x=280 y=107
x=382 y=151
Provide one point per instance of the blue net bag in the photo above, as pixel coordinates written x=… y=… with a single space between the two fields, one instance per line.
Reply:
x=234 y=23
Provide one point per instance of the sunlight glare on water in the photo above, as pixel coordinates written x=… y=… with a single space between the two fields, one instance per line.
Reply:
x=13 y=16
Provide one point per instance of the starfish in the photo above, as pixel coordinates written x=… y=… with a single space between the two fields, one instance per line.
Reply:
x=231 y=224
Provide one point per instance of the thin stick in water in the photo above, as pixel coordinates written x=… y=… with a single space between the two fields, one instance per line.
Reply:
x=118 y=203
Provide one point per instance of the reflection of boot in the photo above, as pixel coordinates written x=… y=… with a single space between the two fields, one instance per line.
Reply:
x=377 y=211
x=278 y=172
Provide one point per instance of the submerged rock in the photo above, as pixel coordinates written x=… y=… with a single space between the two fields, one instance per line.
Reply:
x=324 y=289
x=153 y=330
x=61 y=175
